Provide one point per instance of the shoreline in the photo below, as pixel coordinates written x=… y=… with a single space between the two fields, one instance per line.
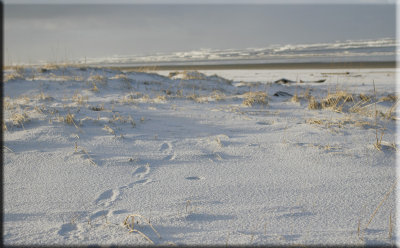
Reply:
x=267 y=66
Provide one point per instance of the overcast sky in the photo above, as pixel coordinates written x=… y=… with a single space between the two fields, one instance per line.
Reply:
x=60 y=32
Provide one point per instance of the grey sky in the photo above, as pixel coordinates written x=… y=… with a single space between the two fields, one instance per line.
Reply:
x=59 y=32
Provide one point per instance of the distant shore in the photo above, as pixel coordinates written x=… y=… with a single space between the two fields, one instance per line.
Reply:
x=271 y=66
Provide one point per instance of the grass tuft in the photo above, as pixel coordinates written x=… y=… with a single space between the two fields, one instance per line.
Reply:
x=313 y=104
x=19 y=119
x=69 y=119
x=295 y=98
x=252 y=98
x=109 y=129
x=336 y=101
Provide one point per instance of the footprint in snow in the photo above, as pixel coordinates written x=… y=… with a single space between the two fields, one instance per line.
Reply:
x=142 y=171
x=143 y=181
x=107 y=197
x=170 y=157
x=99 y=214
x=66 y=229
x=165 y=146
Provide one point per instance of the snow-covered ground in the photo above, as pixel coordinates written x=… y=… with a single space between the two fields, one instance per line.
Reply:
x=198 y=158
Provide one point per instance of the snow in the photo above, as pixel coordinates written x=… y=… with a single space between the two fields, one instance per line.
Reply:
x=383 y=49
x=198 y=164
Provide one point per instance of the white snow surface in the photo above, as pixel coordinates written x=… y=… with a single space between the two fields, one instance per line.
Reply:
x=197 y=163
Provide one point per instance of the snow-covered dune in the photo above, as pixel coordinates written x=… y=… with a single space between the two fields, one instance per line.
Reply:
x=209 y=157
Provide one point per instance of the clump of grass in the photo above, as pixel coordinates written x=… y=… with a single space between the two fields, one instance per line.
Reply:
x=4 y=126
x=333 y=101
x=69 y=119
x=365 y=98
x=19 y=73
x=126 y=81
x=44 y=97
x=98 y=107
x=193 y=97
x=40 y=110
x=94 y=88
x=7 y=104
x=389 y=98
x=109 y=129
x=173 y=73
x=378 y=143
x=79 y=99
x=23 y=99
x=295 y=98
x=160 y=98
x=168 y=91
x=179 y=93
x=119 y=117
x=307 y=94
x=144 y=98
x=218 y=96
x=20 y=69
x=360 y=106
x=313 y=104
x=314 y=121
x=12 y=76
x=19 y=119
x=252 y=98
x=48 y=67
x=133 y=97
x=98 y=79
x=121 y=76
x=336 y=101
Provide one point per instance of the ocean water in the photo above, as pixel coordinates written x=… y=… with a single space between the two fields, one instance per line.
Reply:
x=340 y=51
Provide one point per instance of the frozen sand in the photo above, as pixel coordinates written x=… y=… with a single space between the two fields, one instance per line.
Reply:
x=189 y=155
